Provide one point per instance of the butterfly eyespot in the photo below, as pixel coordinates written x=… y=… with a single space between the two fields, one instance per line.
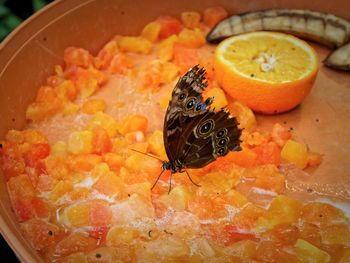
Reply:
x=199 y=107
x=206 y=127
x=221 y=151
x=221 y=133
x=222 y=142
x=190 y=104
x=182 y=96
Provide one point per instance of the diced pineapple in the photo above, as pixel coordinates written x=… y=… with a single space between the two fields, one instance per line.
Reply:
x=219 y=96
x=118 y=235
x=94 y=106
x=337 y=234
x=83 y=162
x=169 y=72
x=80 y=142
x=135 y=44
x=192 y=38
x=133 y=123
x=248 y=216
x=190 y=19
x=295 y=153
x=307 y=252
x=138 y=162
x=243 y=249
x=60 y=189
x=165 y=48
x=156 y=144
x=77 y=215
x=177 y=199
x=114 y=161
x=151 y=31
x=109 y=184
x=66 y=90
x=99 y=170
x=105 y=121
x=244 y=115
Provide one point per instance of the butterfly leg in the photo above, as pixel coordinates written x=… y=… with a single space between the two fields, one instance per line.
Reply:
x=170 y=177
x=189 y=177
x=157 y=179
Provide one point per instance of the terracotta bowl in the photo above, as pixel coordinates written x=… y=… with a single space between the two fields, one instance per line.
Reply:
x=28 y=56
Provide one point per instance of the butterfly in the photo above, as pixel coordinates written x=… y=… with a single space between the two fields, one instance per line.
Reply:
x=194 y=134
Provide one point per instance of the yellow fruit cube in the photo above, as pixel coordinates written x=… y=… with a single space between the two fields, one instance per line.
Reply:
x=60 y=189
x=80 y=142
x=295 y=153
x=151 y=31
x=191 y=38
x=133 y=123
x=307 y=252
x=169 y=72
x=165 y=48
x=190 y=19
x=243 y=249
x=156 y=144
x=99 y=170
x=59 y=149
x=219 y=96
x=70 y=108
x=337 y=234
x=135 y=44
x=109 y=184
x=94 y=106
x=77 y=215
x=105 y=121
x=121 y=235
x=177 y=199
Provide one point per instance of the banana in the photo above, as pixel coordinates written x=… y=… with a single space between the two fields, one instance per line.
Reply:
x=326 y=29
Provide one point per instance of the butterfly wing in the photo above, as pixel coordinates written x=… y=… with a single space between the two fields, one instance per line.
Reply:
x=195 y=135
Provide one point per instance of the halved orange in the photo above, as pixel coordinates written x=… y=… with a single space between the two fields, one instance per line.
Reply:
x=270 y=72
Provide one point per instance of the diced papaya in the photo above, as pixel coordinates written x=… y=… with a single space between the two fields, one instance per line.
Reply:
x=192 y=38
x=120 y=63
x=94 y=106
x=244 y=115
x=45 y=183
x=118 y=235
x=141 y=189
x=268 y=153
x=103 y=255
x=255 y=138
x=109 y=184
x=280 y=134
x=219 y=96
x=75 y=242
x=336 y=234
x=133 y=123
x=212 y=15
x=83 y=162
x=271 y=181
x=135 y=45
x=151 y=31
x=283 y=235
x=41 y=234
x=248 y=216
x=20 y=186
x=295 y=153
x=219 y=181
x=60 y=189
x=168 y=26
x=244 y=158
x=185 y=58
x=34 y=136
x=105 y=55
x=134 y=137
x=105 y=121
x=100 y=214
x=46 y=94
x=56 y=167
x=70 y=108
x=321 y=214
x=138 y=162
x=156 y=144
x=150 y=74
x=168 y=73
x=78 y=257
x=307 y=252
x=268 y=252
x=313 y=159
x=77 y=56
x=190 y=19
x=79 y=193
x=66 y=90
x=80 y=142
x=99 y=170
x=35 y=153
x=101 y=142
x=38 y=111
x=165 y=49
x=114 y=161
x=11 y=160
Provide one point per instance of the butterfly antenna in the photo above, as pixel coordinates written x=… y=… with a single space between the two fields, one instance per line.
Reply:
x=157 y=179
x=191 y=179
x=150 y=155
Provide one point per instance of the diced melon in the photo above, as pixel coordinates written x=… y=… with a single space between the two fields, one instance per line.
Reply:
x=151 y=31
x=156 y=144
x=165 y=48
x=109 y=184
x=60 y=189
x=177 y=199
x=114 y=161
x=243 y=114
x=94 y=106
x=121 y=235
x=192 y=38
x=105 y=121
x=135 y=44
x=190 y=19
x=337 y=234
x=80 y=142
x=59 y=149
x=212 y=15
x=133 y=123
x=77 y=215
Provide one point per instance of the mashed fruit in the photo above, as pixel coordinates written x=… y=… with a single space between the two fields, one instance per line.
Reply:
x=81 y=194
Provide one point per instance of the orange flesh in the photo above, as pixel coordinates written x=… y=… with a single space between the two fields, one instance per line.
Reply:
x=87 y=203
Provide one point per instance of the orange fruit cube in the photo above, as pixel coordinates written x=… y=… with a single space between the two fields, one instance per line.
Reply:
x=177 y=199
x=307 y=252
x=60 y=189
x=77 y=215
x=156 y=144
x=243 y=114
x=118 y=235
x=133 y=123
x=219 y=96
x=213 y=15
x=100 y=214
x=190 y=19
x=192 y=38
x=109 y=184
x=77 y=56
x=114 y=161
x=94 y=106
x=168 y=26
x=83 y=162
x=185 y=57
x=165 y=49
x=101 y=142
x=80 y=142
x=105 y=121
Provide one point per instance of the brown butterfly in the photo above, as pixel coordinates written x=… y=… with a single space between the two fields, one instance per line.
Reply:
x=194 y=134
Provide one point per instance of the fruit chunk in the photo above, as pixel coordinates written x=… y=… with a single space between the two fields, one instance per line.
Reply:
x=192 y=38
x=168 y=26
x=165 y=49
x=212 y=15
x=109 y=184
x=133 y=123
x=105 y=121
x=190 y=19
x=219 y=96
x=295 y=153
x=306 y=252
x=177 y=199
x=151 y=31
x=135 y=44
x=244 y=115
x=80 y=142
x=258 y=78
x=322 y=214
x=119 y=235
x=185 y=58
x=94 y=106
x=77 y=215
x=337 y=234
x=156 y=144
